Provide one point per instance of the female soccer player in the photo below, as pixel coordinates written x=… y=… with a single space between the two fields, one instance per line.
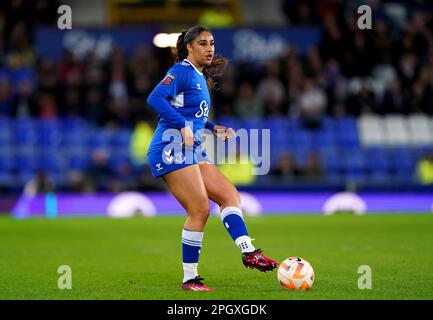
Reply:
x=182 y=102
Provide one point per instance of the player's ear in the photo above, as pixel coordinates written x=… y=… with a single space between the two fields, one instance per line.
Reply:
x=189 y=47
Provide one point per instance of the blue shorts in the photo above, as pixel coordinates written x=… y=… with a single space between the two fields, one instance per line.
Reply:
x=164 y=161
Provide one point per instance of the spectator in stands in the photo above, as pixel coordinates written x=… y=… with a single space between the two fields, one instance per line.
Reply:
x=21 y=54
x=408 y=68
x=140 y=141
x=71 y=72
x=225 y=96
x=314 y=66
x=286 y=169
x=361 y=99
x=5 y=97
x=395 y=99
x=313 y=170
x=72 y=105
x=40 y=183
x=118 y=88
x=300 y=13
x=311 y=104
x=47 y=105
x=99 y=174
x=247 y=105
x=24 y=103
x=76 y=182
x=94 y=106
x=45 y=12
x=47 y=76
x=270 y=91
x=425 y=169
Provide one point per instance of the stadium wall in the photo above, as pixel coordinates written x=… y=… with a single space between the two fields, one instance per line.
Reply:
x=128 y=204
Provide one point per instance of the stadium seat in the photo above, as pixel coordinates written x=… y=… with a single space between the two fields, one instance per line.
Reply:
x=50 y=133
x=26 y=132
x=300 y=138
x=371 y=130
x=6 y=132
x=324 y=139
x=403 y=163
x=380 y=178
x=100 y=138
x=347 y=132
x=7 y=160
x=396 y=130
x=52 y=161
x=420 y=130
x=377 y=160
x=120 y=148
x=332 y=162
x=280 y=139
x=354 y=162
x=75 y=132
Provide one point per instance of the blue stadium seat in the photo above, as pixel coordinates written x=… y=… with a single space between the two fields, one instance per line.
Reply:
x=7 y=161
x=121 y=139
x=402 y=159
x=6 y=178
x=75 y=132
x=333 y=165
x=377 y=160
x=403 y=164
x=347 y=132
x=6 y=132
x=380 y=178
x=52 y=161
x=77 y=158
x=301 y=138
x=328 y=124
x=120 y=148
x=100 y=138
x=324 y=138
x=354 y=162
x=50 y=133
x=26 y=132
x=280 y=128
x=332 y=162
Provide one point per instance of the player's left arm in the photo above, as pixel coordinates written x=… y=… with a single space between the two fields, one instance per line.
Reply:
x=221 y=132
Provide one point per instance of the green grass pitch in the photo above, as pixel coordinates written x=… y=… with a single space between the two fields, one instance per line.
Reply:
x=140 y=258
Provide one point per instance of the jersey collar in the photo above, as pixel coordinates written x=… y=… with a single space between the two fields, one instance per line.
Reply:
x=200 y=73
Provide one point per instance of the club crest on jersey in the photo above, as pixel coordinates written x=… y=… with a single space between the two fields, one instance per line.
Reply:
x=179 y=158
x=168 y=79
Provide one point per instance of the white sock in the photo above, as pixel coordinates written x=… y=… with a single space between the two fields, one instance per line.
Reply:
x=191 y=246
x=189 y=271
x=244 y=243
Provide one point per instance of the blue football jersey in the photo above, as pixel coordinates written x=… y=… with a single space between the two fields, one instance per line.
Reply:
x=181 y=96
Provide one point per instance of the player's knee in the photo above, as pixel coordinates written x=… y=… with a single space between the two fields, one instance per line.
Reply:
x=231 y=199
x=200 y=211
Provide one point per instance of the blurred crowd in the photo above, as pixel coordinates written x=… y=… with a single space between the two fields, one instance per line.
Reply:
x=388 y=69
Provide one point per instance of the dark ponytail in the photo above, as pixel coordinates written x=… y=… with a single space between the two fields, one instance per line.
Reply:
x=181 y=51
x=212 y=72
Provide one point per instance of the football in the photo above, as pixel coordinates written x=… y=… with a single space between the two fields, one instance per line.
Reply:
x=295 y=273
